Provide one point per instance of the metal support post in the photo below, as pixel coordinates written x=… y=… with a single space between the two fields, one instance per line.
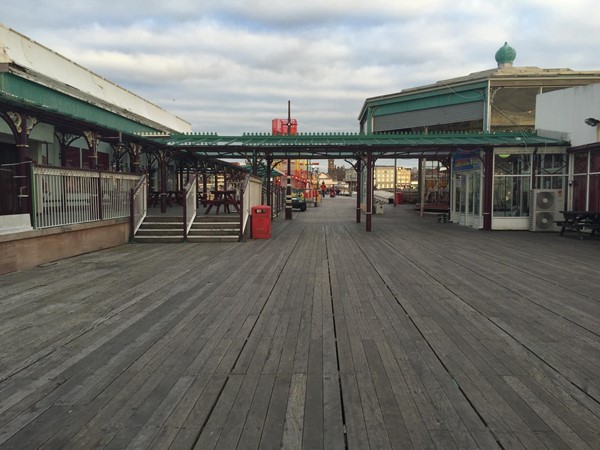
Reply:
x=288 y=192
x=358 y=188
x=369 y=190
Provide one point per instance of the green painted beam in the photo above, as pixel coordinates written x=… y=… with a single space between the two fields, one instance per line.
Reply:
x=191 y=140
x=434 y=97
x=20 y=91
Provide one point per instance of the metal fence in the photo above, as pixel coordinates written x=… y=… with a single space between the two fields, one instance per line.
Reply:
x=67 y=196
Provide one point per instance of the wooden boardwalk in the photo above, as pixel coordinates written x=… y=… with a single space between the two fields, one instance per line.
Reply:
x=417 y=335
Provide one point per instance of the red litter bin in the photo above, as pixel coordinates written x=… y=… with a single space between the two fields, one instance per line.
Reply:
x=261 y=222
x=399 y=197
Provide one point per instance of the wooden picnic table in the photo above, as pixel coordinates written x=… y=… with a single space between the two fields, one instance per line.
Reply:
x=222 y=197
x=154 y=197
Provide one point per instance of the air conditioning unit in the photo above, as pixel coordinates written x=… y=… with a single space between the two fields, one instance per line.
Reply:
x=545 y=207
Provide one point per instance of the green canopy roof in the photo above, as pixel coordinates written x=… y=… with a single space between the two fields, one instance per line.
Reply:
x=347 y=145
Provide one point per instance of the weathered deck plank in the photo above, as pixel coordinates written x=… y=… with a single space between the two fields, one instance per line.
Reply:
x=417 y=335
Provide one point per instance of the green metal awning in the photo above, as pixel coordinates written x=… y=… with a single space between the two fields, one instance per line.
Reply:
x=347 y=145
x=262 y=171
x=58 y=107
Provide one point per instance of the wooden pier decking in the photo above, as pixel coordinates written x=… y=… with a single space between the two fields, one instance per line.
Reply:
x=416 y=335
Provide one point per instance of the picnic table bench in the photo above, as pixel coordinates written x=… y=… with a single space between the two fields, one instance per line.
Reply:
x=170 y=196
x=225 y=198
x=578 y=221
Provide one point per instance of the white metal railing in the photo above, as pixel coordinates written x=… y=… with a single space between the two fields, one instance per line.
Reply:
x=63 y=196
x=190 y=204
x=116 y=188
x=138 y=204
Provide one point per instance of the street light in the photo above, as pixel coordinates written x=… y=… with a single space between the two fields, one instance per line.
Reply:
x=591 y=121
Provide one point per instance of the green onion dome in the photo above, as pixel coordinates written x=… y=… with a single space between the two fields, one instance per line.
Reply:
x=505 y=55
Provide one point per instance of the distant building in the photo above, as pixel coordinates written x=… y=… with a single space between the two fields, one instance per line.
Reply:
x=331 y=167
x=499 y=99
x=384 y=177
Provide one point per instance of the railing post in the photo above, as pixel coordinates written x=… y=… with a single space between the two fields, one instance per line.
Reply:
x=100 y=213
x=242 y=191
x=131 y=215
x=185 y=220
x=32 y=194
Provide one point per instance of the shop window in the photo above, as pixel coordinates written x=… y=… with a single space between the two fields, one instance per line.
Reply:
x=103 y=161
x=594 y=200
x=594 y=162
x=579 y=192
x=505 y=164
x=85 y=158
x=72 y=157
x=581 y=163
x=586 y=181
x=551 y=171
x=512 y=185
x=511 y=196
x=513 y=107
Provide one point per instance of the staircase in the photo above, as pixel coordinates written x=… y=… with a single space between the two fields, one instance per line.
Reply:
x=161 y=229
x=212 y=228
x=225 y=228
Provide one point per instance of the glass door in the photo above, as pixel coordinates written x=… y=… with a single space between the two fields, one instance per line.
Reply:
x=467 y=198
x=458 y=200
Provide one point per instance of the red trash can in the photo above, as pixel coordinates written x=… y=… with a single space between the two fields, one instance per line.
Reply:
x=261 y=222
x=399 y=197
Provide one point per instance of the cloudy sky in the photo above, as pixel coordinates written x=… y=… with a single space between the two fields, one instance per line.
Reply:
x=230 y=66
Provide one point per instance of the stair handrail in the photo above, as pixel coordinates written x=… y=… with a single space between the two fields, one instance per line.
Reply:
x=250 y=195
x=243 y=208
x=138 y=205
x=190 y=204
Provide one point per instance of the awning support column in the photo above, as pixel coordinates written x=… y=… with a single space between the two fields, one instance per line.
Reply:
x=269 y=185
x=369 y=189
x=92 y=139
x=488 y=187
x=288 y=192
x=358 y=188
x=163 y=161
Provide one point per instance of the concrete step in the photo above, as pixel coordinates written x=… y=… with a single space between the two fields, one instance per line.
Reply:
x=216 y=238
x=164 y=229
x=161 y=225
x=215 y=224
x=223 y=226
x=157 y=239
x=213 y=233
x=162 y=218
x=160 y=232
x=210 y=219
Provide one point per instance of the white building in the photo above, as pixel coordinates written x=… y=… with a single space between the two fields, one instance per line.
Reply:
x=574 y=114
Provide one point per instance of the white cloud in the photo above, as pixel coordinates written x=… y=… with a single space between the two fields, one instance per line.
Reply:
x=230 y=66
